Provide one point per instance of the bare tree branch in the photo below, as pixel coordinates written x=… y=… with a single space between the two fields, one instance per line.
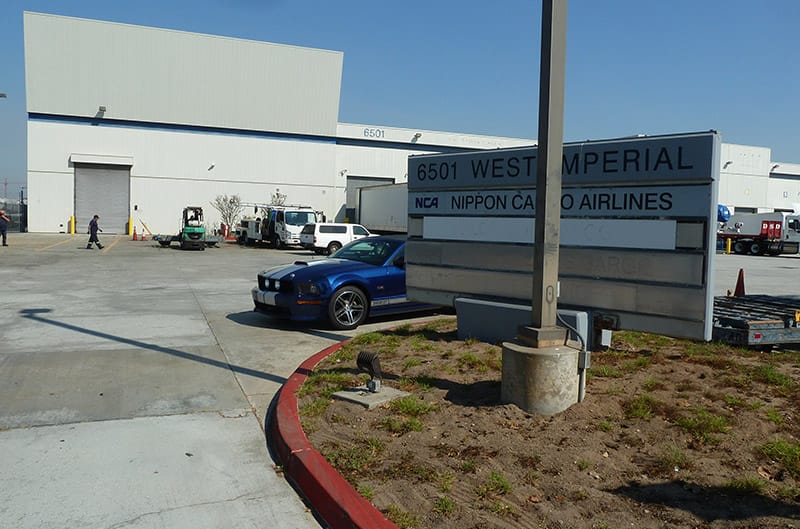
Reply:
x=230 y=209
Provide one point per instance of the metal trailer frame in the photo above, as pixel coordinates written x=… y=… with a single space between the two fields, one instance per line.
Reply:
x=757 y=320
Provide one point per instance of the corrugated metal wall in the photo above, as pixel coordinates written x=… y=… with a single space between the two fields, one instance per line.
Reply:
x=74 y=66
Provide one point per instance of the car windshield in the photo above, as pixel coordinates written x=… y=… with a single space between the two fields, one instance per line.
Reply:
x=300 y=218
x=370 y=251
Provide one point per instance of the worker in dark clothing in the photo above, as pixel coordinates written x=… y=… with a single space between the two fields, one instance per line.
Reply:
x=4 y=220
x=93 y=229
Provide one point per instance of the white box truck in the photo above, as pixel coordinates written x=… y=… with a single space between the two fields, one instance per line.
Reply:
x=279 y=226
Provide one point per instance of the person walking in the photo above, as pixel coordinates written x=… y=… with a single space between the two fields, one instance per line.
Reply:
x=93 y=229
x=4 y=220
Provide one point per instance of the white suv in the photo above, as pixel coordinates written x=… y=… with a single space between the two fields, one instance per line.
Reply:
x=329 y=237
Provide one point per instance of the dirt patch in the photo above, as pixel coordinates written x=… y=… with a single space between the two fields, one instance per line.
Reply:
x=671 y=433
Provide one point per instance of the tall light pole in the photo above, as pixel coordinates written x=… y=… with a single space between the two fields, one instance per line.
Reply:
x=5 y=184
x=543 y=331
x=540 y=372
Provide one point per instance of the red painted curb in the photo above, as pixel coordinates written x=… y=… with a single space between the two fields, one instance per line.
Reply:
x=334 y=499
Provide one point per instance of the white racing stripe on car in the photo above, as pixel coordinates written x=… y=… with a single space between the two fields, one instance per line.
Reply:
x=267 y=298
x=383 y=302
x=291 y=269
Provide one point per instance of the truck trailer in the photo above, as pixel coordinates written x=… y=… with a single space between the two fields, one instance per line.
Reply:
x=761 y=233
x=384 y=208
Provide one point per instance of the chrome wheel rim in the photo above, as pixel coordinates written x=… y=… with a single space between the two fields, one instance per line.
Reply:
x=348 y=308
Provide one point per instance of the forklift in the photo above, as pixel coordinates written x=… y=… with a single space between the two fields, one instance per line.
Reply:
x=192 y=235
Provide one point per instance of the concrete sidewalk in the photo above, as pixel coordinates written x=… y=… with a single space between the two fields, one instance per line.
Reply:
x=134 y=381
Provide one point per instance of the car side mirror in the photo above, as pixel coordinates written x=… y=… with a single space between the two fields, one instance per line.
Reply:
x=400 y=262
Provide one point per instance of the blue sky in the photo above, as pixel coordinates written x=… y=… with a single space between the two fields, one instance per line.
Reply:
x=633 y=66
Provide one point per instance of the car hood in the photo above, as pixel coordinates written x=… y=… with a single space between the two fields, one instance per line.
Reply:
x=310 y=270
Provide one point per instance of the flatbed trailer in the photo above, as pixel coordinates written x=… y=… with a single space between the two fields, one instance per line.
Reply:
x=757 y=320
x=166 y=240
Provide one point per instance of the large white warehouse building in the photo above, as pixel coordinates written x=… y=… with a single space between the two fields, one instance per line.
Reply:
x=134 y=123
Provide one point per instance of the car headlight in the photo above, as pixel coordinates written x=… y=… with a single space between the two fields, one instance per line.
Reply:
x=309 y=289
x=278 y=285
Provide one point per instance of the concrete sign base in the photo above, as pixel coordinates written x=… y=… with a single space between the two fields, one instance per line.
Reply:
x=543 y=381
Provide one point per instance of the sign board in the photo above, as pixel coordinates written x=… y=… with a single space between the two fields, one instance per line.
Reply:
x=637 y=231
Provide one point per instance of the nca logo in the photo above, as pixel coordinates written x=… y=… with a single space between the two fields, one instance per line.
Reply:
x=427 y=202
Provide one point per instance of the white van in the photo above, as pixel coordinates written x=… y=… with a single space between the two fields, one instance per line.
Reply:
x=330 y=236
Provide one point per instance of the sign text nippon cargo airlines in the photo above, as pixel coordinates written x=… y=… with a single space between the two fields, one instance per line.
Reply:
x=645 y=161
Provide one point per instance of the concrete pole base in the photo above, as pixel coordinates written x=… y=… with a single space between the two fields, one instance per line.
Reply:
x=540 y=380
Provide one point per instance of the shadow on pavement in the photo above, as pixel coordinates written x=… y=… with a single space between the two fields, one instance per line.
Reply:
x=256 y=319
x=36 y=315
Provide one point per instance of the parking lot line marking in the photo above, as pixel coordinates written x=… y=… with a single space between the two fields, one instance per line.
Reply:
x=65 y=241
x=115 y=241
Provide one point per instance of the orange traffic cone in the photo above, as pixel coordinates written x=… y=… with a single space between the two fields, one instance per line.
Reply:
x=739 y=290
x=135 y=238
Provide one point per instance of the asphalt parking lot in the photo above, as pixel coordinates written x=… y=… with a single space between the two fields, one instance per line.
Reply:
x=134 y=381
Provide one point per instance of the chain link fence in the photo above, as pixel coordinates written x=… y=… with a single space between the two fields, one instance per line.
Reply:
x=18 y=213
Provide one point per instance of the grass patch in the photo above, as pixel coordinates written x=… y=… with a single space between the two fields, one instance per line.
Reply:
x=583 y=464
x=640 y=340
x=703 y=425
x=316 y=407
x=468 y=467
x=767 y=374
x=640 y=363
x=444 y=505
x=789 y=493
x=786 y=453
x=412 y=406
x=500 y=509
x=400 y=426
x=642 y=407
x=446 y=480
x=350 y=461
x=774 y=416
x=605 y=426
x=419 y=342
x=671 y=459
x=470 y=361
x=402 y=519
x=418 y=383
x=651 y=384
x=605 y=372
x=326 y=383
x=497 y=484
x=751 y=485
x=366 y=491
x=414 y=362
x=733 y=401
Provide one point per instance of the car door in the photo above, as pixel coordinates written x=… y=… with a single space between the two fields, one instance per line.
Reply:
x=390 y=293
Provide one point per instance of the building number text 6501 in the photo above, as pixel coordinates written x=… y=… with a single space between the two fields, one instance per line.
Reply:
x=436 y=171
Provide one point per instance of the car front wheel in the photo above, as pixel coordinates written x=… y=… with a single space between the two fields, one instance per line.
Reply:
x=348 y=308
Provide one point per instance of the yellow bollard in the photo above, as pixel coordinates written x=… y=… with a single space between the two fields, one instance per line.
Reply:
x=72 y=224
x=728 y=246
x=130 y=226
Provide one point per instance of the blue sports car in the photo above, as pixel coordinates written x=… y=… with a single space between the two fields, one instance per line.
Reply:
x=364 y=278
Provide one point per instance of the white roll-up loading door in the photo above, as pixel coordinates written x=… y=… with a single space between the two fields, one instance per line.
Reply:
x=102 y=190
